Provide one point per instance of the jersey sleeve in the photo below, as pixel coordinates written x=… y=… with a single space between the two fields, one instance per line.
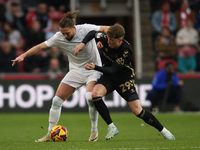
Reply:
x=52 y=41
x=89 y=36
x=90 y=27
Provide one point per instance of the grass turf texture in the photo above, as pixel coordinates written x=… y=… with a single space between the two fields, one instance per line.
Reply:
x=19 y=131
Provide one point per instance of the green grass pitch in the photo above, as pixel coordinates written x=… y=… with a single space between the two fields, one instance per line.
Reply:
x=19 y=131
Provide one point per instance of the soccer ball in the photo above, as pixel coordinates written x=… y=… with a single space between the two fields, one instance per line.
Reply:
x=59 y=133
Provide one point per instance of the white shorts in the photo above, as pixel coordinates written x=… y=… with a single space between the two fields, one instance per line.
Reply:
x=78 y=78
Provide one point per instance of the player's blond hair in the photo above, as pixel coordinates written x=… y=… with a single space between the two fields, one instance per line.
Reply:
x=116 y=31
x=67 y=20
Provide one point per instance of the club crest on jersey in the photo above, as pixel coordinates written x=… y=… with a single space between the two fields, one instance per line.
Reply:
x=98 y=35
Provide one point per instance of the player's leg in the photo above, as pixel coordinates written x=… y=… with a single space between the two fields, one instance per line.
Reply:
x=62 y=93
x=92 y=112
x=149 y=118
x=65 y=89
x=98 y=92
x=129 y=93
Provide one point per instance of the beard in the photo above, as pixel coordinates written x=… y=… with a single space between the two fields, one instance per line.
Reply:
x=69 y=39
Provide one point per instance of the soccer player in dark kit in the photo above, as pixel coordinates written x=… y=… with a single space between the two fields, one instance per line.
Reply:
x=118 y=74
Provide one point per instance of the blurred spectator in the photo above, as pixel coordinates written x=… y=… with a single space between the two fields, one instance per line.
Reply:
x=165 y=46
x=55 y=15
x=13 y=36
x=35 y=35
x=166 y=89
x=163 y=62
x=187 y=36
x=54 y=68
x=54 y=29
x=186 y=62
x=30 y=16
x=41 y=15
x=7 y=53
x=30 y=4
x=58 y=3
x=184 y=13
x=16 y=16
x=64 y=8
x=34 y=63
x=55 y=52
x=163 y=18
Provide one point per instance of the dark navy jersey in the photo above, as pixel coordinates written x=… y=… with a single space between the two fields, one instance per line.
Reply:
x=116 y=62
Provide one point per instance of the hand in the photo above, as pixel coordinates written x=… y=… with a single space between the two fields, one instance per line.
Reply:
x=78 y=48
x=99 y=45
x=18 y=59
x=90 y=66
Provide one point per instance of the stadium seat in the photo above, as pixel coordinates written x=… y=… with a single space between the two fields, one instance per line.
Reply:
x=161 y=64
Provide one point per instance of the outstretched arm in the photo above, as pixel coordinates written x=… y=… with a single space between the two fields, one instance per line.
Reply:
x=30 y=52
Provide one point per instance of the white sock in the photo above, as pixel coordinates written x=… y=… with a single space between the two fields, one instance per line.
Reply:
x=163 y=130
x=92 y=112
x=111 y=125
x=54 y=113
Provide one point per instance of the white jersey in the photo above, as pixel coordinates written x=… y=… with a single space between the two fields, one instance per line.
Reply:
x=88 y=55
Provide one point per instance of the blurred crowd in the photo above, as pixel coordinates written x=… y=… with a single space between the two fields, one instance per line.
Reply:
x=176 y=31
x=26 y=23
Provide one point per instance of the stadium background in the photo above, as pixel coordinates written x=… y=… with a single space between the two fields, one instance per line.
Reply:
x=28 y=92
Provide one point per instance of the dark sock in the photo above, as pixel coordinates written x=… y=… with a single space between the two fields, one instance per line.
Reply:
x=150 y=119
x=102 y=109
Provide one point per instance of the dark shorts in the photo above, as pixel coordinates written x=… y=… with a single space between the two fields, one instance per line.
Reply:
x=126 y=88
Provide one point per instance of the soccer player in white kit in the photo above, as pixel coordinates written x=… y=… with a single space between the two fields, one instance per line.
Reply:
x=67 y=39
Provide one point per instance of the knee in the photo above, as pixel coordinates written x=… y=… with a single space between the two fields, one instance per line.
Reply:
x=137 y=111
x=57 y=102
x=88 y=96
x=96 y=94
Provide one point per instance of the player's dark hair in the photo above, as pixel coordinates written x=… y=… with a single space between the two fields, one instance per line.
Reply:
x=67 y=20
x=169 y=65
x=116 y=31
